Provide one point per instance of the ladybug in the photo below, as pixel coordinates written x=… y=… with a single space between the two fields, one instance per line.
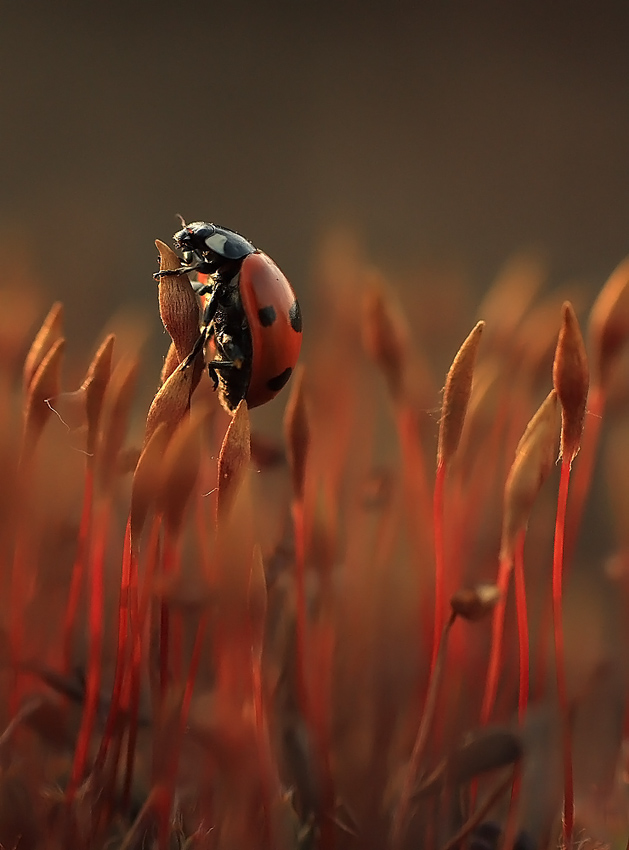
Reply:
x=251 y=313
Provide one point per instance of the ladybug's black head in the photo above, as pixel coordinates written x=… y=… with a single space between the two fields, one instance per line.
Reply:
x=210 y=240
x=192 y=237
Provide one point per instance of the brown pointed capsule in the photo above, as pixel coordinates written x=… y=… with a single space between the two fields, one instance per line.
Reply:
x=511 y=296
x=456 y=395
x=119 y=399
x=475 y=603
x=171 y=361
x=94 y=386
x=535 y=457
x=385 y=338
x=171 y=403
x=481 y=751
x=608 y=328
x=146 y=480
x=571 y=379
x=50 y=331
x=297 y=433
x=181 y=469
x=233 y=460
x=44 y=385
x=178 y=303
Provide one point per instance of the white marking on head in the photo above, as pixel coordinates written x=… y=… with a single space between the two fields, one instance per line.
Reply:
x=216 y=242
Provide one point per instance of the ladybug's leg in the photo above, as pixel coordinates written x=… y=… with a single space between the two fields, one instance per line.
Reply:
x=207 y=328
x=181 y=270
x=202 y=339
x=234 y=358
x=216 y=366
x=202 y=288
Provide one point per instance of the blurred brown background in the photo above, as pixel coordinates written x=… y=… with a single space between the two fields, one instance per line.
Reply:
x=441 y=131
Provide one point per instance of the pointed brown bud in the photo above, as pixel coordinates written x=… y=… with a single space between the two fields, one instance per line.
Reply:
x=178 y=303
x=534 y=458
x=571 y=379
x=475 y=603
x=608 y=329
x=233 y=460
x=44 y=385
x=146 y=481
x=171 y=361
x=120 y=395
x=456 y=396
x=511 y=295
x=94 y=386
x=50 y=331
x=386 y=339
x=171 y=403
x=181 y=469
x=297 y=433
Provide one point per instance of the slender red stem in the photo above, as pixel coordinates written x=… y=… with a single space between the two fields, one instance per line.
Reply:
x=135 y=672
x=582 y=478
x=440 y=570
x=560 y=529
x=300 y=603
x=170 y=560
x=167 y=783
x=17 y=604
x=511 y=823
x=523 y=626
x=323 y=656
x=94 y=666
x=264 y=745
x=78 y=570
x=402 y=813
x=497 y=630
x=116 y=694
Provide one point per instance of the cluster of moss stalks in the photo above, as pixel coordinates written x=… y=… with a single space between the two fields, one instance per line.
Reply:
x=310 y=640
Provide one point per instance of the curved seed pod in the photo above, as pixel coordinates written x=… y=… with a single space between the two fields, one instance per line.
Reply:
x=44 y=385
x=233 y=460
x=456 y=395
x=484 y=750
x=119 y=400
x=511 y=295
x=178 y=303
x=171 y=361
x=475 y=603
x=146 y=480
x=180 y=470
x=50 y=331
x=385 y=337
x=534 y=458
x=571 y=379
x=608 y=328
x=171 y=403
x=94 y=386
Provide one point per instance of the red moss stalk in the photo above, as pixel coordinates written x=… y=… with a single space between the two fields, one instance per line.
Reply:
x=523 y=627
x=571 y=380
x=456 y=396
x=94 y=664
x=534 y=459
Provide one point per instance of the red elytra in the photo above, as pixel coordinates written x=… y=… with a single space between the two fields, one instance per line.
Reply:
x=274 y=320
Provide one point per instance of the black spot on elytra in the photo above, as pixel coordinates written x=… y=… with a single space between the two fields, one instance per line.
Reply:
x=294 y=314
x=267 y=316
x=276 y=383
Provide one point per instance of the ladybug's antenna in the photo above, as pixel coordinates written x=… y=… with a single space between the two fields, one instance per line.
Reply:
x=181 y=219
